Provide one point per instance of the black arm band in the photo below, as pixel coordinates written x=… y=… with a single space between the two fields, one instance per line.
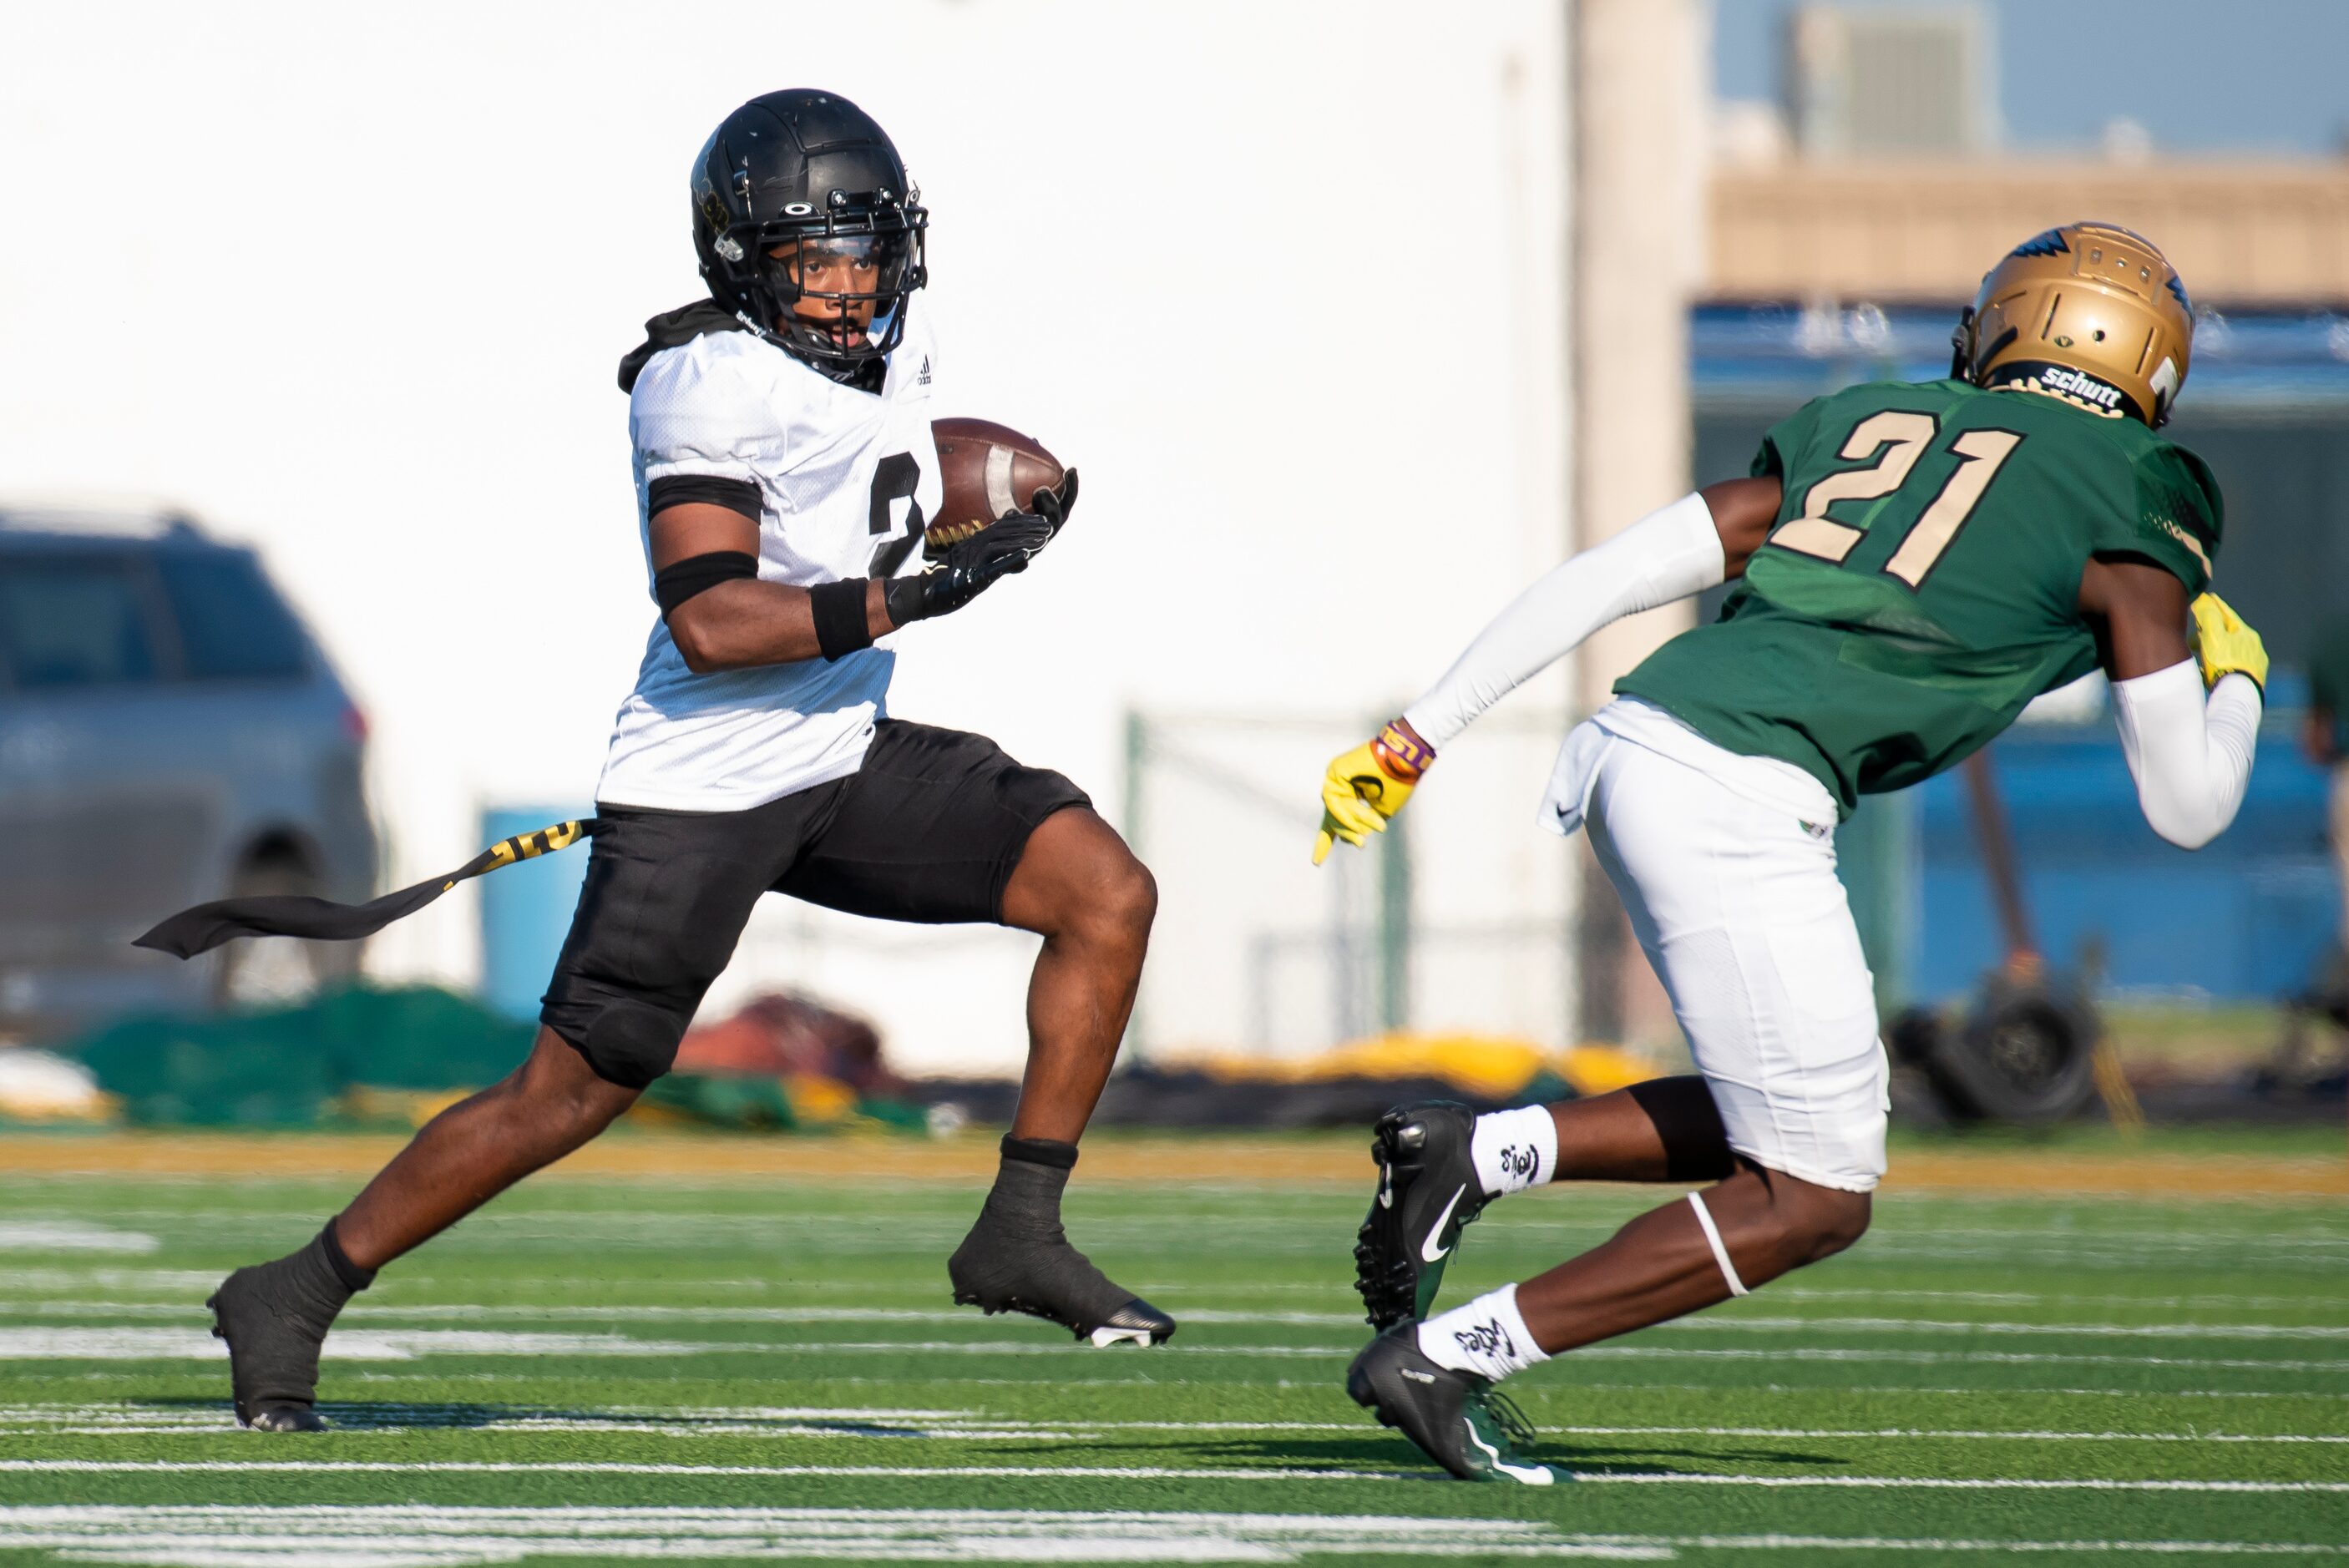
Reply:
x=681 y=580
x=841 y=624
x=739 y=495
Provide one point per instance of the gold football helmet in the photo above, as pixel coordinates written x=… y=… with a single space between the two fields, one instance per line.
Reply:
x=2088 y=313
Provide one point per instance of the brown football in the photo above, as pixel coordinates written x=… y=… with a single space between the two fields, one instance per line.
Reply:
x=986 y=471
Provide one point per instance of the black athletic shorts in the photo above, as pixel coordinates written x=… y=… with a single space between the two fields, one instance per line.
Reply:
x=929 y=828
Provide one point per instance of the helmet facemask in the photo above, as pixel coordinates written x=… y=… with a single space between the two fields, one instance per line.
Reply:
x=855 y=264
x=840 y=296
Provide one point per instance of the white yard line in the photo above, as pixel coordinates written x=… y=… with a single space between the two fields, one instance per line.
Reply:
x=357 y=1345
x=446 y=1311
x=403 y=1345
x=70 y=1237
x=46 y=1289
x=1736 y=1323
x=791 y=1421
x=1952 y=1545
x=1728 y=1322
x=612 y=1223
x=1134 y=1472
x=385 y=1535
x=34 y=1282
x=1934 y=1357
x=2209 y=1302
x=407 y=1537
x=1856 y=1433
x=1952 y=1434
x=1844 y=1390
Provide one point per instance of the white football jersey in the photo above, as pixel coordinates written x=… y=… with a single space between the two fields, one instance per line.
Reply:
x=846 y=479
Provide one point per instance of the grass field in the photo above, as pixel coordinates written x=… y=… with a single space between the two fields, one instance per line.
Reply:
x=608 y=1369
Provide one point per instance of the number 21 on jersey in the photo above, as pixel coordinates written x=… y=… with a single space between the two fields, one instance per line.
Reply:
x=1896 y=439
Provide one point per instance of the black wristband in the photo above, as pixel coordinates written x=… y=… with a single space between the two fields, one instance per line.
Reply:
x=841 y=625
x=1039 y=1151
x=681 y=580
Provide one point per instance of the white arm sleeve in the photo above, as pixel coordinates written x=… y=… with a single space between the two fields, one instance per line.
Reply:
x=1666 y=555
x=2191 y=759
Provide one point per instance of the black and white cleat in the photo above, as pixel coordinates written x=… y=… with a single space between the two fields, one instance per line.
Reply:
x=1046 y=1278
x=1428 y=1193
x=272 y=1357
x=1456 y=1419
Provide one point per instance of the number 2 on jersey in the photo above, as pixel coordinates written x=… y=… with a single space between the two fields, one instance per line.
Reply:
x=896 y=478
x=1896 y=439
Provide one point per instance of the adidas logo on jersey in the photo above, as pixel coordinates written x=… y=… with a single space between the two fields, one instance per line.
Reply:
x=923 y=379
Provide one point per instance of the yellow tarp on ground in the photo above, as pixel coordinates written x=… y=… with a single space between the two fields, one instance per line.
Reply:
x=1488 y=1066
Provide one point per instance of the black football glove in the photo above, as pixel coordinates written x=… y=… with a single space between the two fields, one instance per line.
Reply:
x=967 y=569
x=1054 y=506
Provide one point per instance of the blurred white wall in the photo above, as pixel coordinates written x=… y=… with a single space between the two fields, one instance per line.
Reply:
x=1285 y=280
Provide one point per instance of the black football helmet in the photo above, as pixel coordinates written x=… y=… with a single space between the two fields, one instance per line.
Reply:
x=807 y=165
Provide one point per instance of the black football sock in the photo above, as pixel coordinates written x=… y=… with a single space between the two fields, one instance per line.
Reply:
x=1017 y=1258
x=274 y=1315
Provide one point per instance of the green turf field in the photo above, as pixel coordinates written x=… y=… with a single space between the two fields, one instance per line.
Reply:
x=597 y=1370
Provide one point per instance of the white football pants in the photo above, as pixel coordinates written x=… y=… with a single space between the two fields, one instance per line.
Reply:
x=1727 y=867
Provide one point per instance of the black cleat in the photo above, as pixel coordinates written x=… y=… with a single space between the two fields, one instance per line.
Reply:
x=273 y=1355
x=1428 y=1192
x=1456 y=1419
x=1045 y=1277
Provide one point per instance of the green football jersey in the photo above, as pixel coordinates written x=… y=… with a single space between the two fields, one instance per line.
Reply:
x=1923 y=580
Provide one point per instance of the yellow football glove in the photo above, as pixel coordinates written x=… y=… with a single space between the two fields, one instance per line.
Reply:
x=2226 y=645
x=1368 y=785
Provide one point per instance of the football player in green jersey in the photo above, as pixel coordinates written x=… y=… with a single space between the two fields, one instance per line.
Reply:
x=1915 y=562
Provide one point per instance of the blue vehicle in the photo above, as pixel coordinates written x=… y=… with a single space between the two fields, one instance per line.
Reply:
x=170 y=732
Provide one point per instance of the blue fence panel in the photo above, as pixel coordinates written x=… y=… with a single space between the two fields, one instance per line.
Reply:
x=2249 y=916
x=526 y=910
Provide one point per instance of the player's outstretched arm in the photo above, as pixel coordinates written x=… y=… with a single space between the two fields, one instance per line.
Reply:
x=2189 y=715
x=1699 y=541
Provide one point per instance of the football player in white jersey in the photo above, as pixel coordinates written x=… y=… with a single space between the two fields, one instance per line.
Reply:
x=784 y=466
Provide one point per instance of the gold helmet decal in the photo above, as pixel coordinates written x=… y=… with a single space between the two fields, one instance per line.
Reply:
x=2088 y=313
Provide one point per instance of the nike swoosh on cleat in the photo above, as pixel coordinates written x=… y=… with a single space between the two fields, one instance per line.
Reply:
x=1428 y=1251
x=1532 y=1475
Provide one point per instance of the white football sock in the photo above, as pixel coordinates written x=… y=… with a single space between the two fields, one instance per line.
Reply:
x=1514 y=1150
x=1486 y=1337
